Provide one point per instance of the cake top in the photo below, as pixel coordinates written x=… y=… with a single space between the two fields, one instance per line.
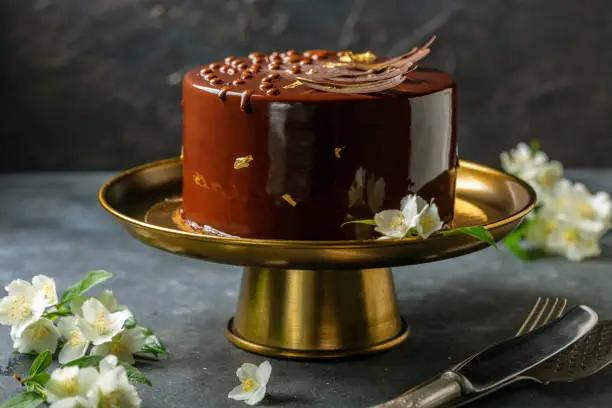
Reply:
x=319 y=75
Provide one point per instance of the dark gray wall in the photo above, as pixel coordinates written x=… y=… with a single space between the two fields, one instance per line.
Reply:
x=96 y=83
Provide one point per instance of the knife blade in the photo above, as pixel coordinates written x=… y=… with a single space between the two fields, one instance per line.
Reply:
x=501 y=362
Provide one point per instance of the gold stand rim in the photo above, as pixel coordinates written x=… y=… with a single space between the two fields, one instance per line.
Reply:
x=278 y=352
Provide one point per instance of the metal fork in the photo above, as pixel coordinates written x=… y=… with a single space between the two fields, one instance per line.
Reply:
x=543 y=311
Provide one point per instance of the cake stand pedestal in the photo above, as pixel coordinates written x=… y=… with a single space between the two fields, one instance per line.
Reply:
x=313 y=299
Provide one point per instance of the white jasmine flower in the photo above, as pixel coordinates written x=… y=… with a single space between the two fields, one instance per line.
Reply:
x=573 y=201
x=428 y=221
x=124 y=345
x=39 y=336
x=113 y=388
x=71 y=382
x=543 y=178
x=100 y=325
x=46 y=285
x=574 y=243
x=254 y=380
x=522 y=158
x=73 y=402
x=76 y=342
x=22 y=306
x=391 y=223
x=107 y=298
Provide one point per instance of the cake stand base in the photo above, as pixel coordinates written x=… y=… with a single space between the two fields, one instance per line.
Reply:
x=316 y=314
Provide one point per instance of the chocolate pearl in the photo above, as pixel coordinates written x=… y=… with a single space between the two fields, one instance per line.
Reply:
x=276 y=58
x=235 y=63
x=294 y=69
x=292 y=58
x=206 y=71
x=215 y=81
x=306 y=61
x=318 y=54
x=259 y=60
x=214 y=65
x=242 y=66
x=274 y=66
x=273 y=54
x=265 y=79
x=224 y=68
x=246 y=75
x=273 y=75
x=254 y=68
x=265 y=85
x=239 y=82
x=210 y=76
x=256 y=55
x=228 y=60
x=230 y=71
x=290 y=52
x=272 y=91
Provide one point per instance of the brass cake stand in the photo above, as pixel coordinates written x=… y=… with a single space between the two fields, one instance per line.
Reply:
x=313 y=299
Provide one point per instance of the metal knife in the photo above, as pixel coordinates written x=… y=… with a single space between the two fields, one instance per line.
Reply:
x=500 y=363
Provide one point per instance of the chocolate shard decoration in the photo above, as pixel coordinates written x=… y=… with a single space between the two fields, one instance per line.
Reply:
x=355 y=76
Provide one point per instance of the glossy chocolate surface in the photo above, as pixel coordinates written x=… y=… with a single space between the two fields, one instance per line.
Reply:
x=268 y=158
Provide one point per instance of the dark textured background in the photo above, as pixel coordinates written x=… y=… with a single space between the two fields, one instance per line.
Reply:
x=96 y=84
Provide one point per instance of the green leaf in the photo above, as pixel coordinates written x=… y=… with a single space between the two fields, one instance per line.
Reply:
x=55 y=315
x=153 y=345
x=40 y=378
x=479 y=232
x=130 y=323
x=24 y=400
x=367 y=222
x=41 y=363
x=134 y=375
x=90 y=280
x=535 y=145
x=514 y=240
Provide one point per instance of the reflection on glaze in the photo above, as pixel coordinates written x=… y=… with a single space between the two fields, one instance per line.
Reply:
x=370 y=191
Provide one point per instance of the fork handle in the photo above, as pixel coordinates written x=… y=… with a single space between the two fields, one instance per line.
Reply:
x=431 y=395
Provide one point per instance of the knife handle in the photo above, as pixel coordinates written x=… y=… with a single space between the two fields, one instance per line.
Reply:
x=431 y=395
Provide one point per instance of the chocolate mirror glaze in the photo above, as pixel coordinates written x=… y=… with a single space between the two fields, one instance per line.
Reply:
x=270 y=158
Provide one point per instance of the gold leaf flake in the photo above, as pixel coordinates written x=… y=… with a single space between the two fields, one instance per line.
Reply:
x=293 y=85
x=181 y=153
x=334 y=64
x=337 y=151
x=366 y=57
x=289 y=199
x=199 y=180
x=242 y=162
x=311 y=71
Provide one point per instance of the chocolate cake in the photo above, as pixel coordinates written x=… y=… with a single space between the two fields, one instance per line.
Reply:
x=291 y=145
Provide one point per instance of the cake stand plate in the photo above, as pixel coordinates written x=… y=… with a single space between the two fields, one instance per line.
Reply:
x=313 y=299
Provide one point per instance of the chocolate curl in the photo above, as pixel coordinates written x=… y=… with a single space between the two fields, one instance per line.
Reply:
x=365 y=78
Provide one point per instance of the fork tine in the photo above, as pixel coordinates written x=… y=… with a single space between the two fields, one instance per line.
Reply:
x=543 y=311
x=550 y=313
x=529 y=317
x=539 y=316
x=561 y=308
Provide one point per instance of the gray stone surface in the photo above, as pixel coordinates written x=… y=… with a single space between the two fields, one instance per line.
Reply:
x=51 y=223
x=96 y=84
